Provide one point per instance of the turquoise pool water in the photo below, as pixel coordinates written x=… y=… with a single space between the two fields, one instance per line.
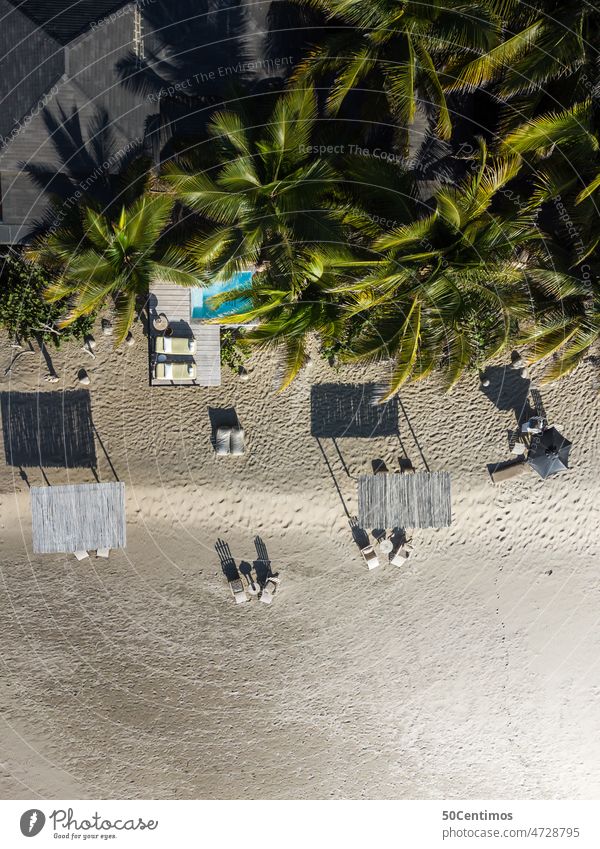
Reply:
x=200 y=298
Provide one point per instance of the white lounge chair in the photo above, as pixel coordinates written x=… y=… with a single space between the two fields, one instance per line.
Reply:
x=81 y=555
x=399 y=557
x=370 y=557
x=175 y=371
x=223 y=441
x=238 y=591
x=174 y=345
x=269 y=590
x=237 y=441
x=102 y=552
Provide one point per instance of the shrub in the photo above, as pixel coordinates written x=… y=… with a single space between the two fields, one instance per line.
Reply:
x=23 y=311
x=233 y=352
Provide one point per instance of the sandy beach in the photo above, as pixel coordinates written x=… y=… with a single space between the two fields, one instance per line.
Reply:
x=473 y=671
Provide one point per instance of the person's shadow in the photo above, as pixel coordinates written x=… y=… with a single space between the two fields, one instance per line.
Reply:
x=245 y=569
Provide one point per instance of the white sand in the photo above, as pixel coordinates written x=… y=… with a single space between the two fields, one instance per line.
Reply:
x=468 y=673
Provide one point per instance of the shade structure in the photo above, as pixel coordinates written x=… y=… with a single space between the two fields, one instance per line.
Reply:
x=78 y=517
x=420 y=500
x=549 y=453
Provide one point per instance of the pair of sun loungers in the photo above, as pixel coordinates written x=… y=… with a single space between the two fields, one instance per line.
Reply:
x=241 y=594
x=174 y=370
x=397 y=558
x=101 y=552
x=230 y=440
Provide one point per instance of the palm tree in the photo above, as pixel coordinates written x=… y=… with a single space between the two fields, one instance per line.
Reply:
x=397 y=48
x=563 y=151
x=548 y=53
x=113 y=258
x=451 y=288
x=267 y=199
x=287 y=320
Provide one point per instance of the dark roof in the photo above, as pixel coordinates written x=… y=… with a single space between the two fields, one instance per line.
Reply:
x=31 y=61
x=64 y=20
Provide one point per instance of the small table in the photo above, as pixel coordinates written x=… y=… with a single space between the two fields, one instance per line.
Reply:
x=386 y=546
x=160 y=323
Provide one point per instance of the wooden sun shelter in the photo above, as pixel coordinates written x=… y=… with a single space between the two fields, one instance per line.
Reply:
x=420 y=500
x=78 y=517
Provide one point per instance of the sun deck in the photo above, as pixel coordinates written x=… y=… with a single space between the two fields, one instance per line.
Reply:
x=174 y=302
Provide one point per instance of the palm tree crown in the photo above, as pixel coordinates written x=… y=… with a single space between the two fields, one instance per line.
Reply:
x=114 y=259
x=397 y=48
x=267 y=198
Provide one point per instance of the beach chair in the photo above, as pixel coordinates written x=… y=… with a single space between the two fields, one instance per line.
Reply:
x=223 y=441
x=102 y=552
x=174 y=345
x=269 y=590
x=238 y=591
x=399 y=557
x=81 y=555
x=237 y=441
x=370 y=557
x=175 y=371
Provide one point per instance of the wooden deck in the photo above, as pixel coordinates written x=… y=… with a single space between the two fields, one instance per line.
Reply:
x=174 y=302
x=420 y=500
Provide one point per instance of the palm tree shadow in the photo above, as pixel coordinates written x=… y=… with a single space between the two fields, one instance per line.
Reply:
x=89 y=163
x=198 y=46
x=508 y=391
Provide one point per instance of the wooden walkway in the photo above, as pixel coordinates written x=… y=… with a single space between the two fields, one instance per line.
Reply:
x=78 y=517
x=174 y=302
x=420 y=500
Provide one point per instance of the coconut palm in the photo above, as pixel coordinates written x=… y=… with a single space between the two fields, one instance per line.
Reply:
x=267 y=199
x=568 y=328
x=451 y=288
x=287 y=320
x=396 y=48
x=548 y=53
x=116 y=259
x=563 y=152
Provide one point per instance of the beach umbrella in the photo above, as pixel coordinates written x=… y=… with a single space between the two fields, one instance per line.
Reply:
x=549 y=453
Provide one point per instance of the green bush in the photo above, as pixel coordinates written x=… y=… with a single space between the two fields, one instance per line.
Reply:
x=23 y=311
x=233 y=352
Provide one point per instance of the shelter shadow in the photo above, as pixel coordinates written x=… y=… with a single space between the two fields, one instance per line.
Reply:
x=352 y=409
x=48 y=429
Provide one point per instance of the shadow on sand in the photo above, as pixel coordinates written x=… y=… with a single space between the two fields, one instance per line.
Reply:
x=52 y=429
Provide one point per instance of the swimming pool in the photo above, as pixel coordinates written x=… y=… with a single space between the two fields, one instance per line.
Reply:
x=200 y=304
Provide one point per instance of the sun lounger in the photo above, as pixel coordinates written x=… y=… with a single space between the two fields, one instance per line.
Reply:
x=507 y=472
x=269 y=591
x=401 y=554
x=81 y=555
x=238 y=591
x=174 y=345
x=237 y=441
x=223 y=441
x=370 y=556
x=175 y=371
x=103 y=552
